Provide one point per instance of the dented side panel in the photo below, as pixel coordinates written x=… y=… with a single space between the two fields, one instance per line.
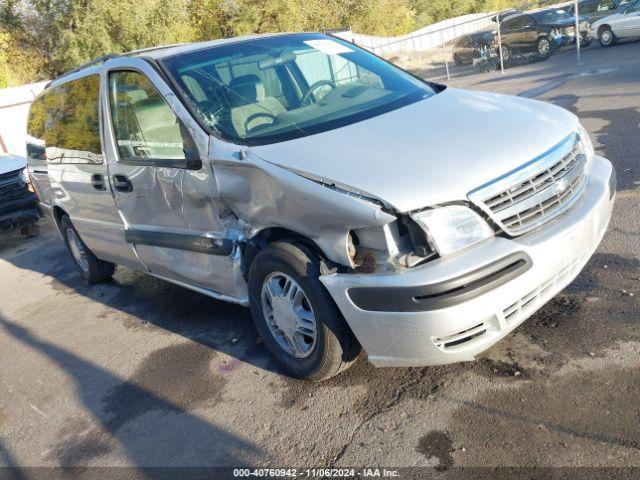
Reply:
x=263 y=196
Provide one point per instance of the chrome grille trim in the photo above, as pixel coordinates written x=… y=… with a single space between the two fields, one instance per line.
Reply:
x=536 y=192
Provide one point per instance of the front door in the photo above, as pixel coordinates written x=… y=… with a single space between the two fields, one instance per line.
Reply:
x=163 y=190
x=630 y=23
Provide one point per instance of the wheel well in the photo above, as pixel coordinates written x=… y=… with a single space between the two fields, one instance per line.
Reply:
x=58 y=213
x=603 y=27
x=270 y=235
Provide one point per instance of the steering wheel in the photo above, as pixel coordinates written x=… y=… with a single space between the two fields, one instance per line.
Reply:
x=258 y=115
x=307 y=95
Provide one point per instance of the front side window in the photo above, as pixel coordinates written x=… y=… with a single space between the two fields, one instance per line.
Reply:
x=66 y=121
x=144 y=125
x=279 y=88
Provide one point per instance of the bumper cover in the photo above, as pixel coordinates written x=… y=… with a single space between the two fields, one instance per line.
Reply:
x=463 y=329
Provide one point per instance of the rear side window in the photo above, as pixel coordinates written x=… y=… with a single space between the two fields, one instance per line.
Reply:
x=64 y=124
x=36 y=150
x=144 y=125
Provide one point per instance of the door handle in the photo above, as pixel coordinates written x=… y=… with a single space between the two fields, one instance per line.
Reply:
x=122 y=183
x=97 y=181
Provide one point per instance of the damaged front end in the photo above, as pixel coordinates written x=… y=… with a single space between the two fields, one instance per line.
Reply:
x=354 y=232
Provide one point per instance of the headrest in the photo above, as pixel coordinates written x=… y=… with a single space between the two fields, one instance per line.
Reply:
x=245 y=90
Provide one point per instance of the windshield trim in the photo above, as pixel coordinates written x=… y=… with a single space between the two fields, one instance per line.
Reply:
x=308 y=131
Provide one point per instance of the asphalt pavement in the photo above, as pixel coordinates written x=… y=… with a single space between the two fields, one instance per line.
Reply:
x=139 y=372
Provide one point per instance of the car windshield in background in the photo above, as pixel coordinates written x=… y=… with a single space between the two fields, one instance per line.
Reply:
x=274 y=89
x=551 y=16
x=633 y=6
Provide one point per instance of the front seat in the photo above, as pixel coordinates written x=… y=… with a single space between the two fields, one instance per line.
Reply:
x=248 y=101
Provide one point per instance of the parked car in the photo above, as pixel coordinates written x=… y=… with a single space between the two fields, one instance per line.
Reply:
x=624 y=25
x=469 y=47
x=594 y=10
x=18 y=203
x=540 y=32
x=326 y=189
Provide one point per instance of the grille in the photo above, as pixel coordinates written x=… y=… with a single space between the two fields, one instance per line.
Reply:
x=461 y=337
x=538 y=191
x=13 y=192
x=526 y=305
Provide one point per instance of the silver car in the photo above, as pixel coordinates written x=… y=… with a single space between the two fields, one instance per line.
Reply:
x=349 y=204
x=624 y=25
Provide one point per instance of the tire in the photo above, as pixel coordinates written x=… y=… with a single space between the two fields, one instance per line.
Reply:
x=543 y=47
x=276 y=316
x=92 y=269
x=507 y=54
x=606 y=36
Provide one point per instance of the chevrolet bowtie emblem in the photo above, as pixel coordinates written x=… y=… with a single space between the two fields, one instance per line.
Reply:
x=560 y=186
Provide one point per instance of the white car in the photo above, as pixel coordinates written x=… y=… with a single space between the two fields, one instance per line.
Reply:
x=621 y=26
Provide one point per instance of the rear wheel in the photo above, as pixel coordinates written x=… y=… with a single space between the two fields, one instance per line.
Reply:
x=92 y=269
x=295 y=315
x=606 y=37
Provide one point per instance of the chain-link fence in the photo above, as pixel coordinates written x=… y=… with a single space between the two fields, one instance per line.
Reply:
x=507 y=39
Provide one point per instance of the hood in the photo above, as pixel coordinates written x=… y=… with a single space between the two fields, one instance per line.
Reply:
x=9 y=163
x=608 y=19
x=431 y=152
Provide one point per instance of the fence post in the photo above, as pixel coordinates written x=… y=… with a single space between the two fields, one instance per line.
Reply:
x=578 y=39
x=444 y=55
x=498 y=21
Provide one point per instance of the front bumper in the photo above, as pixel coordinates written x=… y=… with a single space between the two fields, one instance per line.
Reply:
x=460 y=330
x=20 y=212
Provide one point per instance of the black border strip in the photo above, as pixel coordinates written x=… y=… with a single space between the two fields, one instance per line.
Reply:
x=180 y=241
x=442 y=294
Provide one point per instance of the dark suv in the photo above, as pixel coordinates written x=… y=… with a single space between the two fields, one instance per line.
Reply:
x=540 y=32
x=469 y=47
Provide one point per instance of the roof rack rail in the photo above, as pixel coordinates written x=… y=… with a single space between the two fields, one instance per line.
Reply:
x=90 y=63
x=152 y=49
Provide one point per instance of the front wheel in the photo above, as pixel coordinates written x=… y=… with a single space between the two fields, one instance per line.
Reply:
x=543 y=47
x=92 y=269
x=606 y=37
x=295 y=315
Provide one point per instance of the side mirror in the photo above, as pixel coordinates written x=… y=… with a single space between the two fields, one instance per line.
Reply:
x=193 y=164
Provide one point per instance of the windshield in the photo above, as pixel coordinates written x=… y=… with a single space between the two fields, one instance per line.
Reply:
x=550 y=16
x=278 y=88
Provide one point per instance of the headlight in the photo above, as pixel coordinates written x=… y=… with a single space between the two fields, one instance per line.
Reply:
x=586 y=143
x=452 y=228
x=24 y=175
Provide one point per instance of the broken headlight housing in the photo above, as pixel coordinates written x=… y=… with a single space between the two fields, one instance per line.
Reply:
x=452 y=228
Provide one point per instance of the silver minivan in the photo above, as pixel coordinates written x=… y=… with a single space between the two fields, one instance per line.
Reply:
x=349 y=204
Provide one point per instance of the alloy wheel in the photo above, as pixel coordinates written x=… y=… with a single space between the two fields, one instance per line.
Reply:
x=288 y=314
x=543 y=47
x=77 y=250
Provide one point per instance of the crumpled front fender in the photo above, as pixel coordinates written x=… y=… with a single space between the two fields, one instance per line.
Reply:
x=266 y=196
